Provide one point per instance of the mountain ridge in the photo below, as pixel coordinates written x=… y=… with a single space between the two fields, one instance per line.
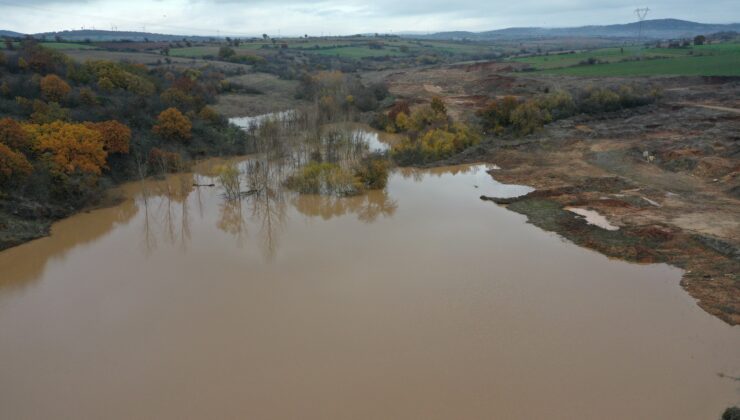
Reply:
x=651 y=29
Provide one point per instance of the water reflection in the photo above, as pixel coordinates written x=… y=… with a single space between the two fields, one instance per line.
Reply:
x=440 y=278
x=232 y=221
x=18 y=267
x=367 y=207
x=478 y=177
x=166 y=211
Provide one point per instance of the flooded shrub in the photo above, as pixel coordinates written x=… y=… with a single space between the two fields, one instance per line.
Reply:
x=228 y=177
x=163 y=161
x=372 y=172
x=434 y=144
x=407 y=152
x=324 y=178
x=437 y=144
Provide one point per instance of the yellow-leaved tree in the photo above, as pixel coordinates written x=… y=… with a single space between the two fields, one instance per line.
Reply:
x=173 y=125
x=69 y=147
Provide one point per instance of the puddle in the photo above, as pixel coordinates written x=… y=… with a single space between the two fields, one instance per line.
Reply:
x=651 y=202
x=256 y=120
x=593 y=217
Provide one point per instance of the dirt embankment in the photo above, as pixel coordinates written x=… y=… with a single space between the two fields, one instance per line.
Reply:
x=667 y=175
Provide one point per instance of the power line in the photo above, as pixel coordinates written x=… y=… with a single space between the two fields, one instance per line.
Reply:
x=132 y=22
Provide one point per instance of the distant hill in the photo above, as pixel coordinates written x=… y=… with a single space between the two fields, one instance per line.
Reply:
x=651 y=29
x=98 y=35
x=10 y=34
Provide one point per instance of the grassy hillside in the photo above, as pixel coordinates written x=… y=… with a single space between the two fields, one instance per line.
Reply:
x=704 y=60
x=349 y=47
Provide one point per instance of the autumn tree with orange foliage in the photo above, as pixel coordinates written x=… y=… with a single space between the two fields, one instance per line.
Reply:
x=53 y=88
x=116 y=136
x=13 y=165
x=69 y=147
x=13 y=135
x=173 y=125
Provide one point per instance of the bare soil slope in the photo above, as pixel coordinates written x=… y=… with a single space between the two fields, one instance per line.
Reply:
x=668 y=174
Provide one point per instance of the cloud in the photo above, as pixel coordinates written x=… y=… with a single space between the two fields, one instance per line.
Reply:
x=296 y=17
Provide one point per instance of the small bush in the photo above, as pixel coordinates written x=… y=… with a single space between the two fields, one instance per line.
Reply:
x=372 y=172
x=324 y=178
x=399 y=107
x=434 y=144
x=602 y=99
x=528 y=117
x=228 y=177
x=559 y=104
x=496 y=116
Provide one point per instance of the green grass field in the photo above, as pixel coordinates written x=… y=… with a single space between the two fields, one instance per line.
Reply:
x=706 y=60
x=359 y=52
x=350 y=47
x=193 y=52
x=63 y=46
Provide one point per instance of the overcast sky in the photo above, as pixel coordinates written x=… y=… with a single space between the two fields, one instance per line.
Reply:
x=334 y=17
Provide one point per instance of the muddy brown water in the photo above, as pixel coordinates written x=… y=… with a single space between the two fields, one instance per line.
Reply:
x=416 y=302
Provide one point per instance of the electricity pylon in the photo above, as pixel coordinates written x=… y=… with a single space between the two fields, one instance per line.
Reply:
x=641 y=13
